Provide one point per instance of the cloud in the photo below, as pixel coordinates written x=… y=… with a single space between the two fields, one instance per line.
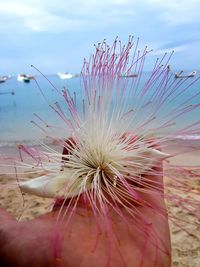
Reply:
x=54 y=24
x=163 y=25
x=157 y=52
x=176 y=12
x=62 y=16
x=37 y=18
x=16 y=9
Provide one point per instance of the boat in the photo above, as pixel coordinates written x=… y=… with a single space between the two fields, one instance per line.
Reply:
x=31 y=77
x=3 y=79
x=24 y=78
x=189 y=75
x=128 y=76
x=65 y=75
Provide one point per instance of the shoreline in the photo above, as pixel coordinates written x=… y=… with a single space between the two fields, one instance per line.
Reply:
x=189 y=154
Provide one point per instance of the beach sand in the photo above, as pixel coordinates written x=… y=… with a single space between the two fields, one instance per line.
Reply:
x=185 y=247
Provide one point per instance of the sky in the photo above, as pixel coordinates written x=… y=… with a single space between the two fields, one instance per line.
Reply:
x=55 y=36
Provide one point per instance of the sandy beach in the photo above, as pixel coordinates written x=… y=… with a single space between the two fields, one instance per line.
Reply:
x=185 y=247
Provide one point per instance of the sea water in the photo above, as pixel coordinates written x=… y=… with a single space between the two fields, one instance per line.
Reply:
x=19 y=102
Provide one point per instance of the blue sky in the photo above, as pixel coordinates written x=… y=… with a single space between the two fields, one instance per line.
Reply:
x=56 y=35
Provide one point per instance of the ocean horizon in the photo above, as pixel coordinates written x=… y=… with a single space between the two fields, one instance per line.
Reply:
x=22 y=103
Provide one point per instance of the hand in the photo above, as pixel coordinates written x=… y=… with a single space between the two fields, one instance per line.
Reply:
x=35 y=243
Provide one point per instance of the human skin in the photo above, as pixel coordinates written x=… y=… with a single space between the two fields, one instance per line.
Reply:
x=32 y=243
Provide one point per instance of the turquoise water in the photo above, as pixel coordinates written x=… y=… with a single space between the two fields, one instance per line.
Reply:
x=19 y=101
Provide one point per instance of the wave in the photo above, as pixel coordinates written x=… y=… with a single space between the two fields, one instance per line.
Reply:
x=187 y=137
x=15 y=143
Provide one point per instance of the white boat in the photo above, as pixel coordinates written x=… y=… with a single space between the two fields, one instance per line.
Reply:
x=65 y=75
x=189 y=75
x=192 y=74
x=129 y=75
x=3 y=79
x=24 y=78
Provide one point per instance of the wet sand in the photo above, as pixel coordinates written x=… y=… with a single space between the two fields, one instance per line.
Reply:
x=185 y=247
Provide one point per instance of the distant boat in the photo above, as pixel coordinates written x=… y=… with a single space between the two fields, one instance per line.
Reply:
x=24 y=78
x=189 y=75
x=3 y=79
x=65 y=75
x=128 y=76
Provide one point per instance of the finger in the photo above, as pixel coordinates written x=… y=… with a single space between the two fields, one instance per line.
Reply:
x=5 y=216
